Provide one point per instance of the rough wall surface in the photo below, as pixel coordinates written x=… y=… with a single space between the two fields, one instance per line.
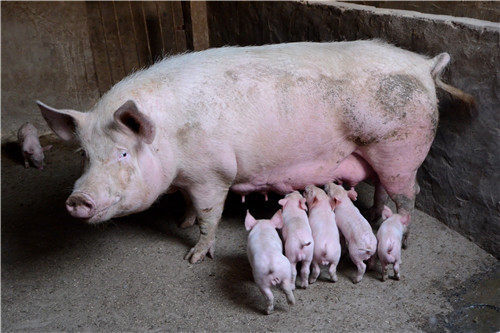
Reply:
x=45 y=55
x=460 y=178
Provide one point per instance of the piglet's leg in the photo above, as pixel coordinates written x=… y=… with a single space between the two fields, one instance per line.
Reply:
x=26 y=161
x=288 y=290
x=396 y=270
x=294 y=274
x=315 y=272
x=361 y=270
x=208 y=202
x=333 y=272
x=304 y=274
x=268 y=295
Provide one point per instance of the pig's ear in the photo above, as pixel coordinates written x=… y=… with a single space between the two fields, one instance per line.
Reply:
x=49 y=147
x=333 y=203
x=282 y=202
x=277 y=220
x=249 y=221
x=62 y=122
x=386 y=213
x=128 y=115
x=302 y=204
x=405 y=219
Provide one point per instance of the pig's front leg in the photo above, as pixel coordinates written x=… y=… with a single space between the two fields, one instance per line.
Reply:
x=208 y=202
x=190 y=212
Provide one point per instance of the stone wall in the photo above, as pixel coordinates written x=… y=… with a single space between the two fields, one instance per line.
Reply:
x=460 y=178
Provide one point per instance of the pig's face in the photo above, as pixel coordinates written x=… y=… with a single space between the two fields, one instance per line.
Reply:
x=121 y=172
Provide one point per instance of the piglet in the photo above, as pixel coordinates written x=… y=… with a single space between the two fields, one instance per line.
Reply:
x=265 y=253
x=390 y=237
x=324 y=231
x=361 y=241
x=299 y=243
x=27 y=136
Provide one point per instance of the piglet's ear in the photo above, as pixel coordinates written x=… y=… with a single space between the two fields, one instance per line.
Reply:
x=386 y=213
x=352 y=194
x=49 y=147
x=250 y=221
x=129 y=116
x=283 y=202
x=277 y=220
x=62 y=122
x=302 y=204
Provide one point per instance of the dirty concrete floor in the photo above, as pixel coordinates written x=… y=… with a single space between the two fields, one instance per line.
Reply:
x=129 y=274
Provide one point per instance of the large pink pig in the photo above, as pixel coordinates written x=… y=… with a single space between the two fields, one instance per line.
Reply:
x=27 y=136
x=265 y=253
x=324 y=231
x=390 y=238
x=358 y=233
x=297 y=235
x=253 y=119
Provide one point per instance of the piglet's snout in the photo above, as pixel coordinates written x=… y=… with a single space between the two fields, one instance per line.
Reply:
x=81 y=206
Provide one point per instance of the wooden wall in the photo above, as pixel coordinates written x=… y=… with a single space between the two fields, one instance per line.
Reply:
x=130 y=35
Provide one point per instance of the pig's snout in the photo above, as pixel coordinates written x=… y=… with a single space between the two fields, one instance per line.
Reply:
x=81 y=206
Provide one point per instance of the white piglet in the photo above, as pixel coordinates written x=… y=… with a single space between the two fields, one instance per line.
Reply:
x=299 y=243
x=361 y=241
x=324 y=231
x=27 y=136
x=390 y=237
x=265 y=253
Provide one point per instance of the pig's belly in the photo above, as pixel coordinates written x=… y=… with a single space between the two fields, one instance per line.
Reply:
x=284 y=180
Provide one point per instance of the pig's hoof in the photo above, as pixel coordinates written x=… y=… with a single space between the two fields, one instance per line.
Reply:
x=333 y=278
x=396 y=276
x=269 y=311
x=198 y=253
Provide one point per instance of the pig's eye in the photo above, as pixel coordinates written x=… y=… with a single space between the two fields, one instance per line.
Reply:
x=123 y=155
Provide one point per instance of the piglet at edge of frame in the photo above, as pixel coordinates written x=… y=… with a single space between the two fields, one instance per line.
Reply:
x=27 y=136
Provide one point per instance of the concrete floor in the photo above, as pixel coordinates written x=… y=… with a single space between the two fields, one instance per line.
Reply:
x=129 y=274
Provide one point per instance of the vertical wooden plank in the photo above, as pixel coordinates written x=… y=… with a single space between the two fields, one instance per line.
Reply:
x=199 y=22
x=153 y=29
x=140 y=31
x=167 y=26
x=112 y=41
x=99 y=52
x=126 y=36
x=180 y=33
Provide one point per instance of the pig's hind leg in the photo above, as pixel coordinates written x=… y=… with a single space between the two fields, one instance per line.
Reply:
x=361 y=270
x=333 y=272
x=268 y=295
x=304 y=274
x=316 y=270
x=190 y=213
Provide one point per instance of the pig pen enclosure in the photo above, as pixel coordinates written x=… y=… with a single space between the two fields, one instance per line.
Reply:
x=128 y=274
